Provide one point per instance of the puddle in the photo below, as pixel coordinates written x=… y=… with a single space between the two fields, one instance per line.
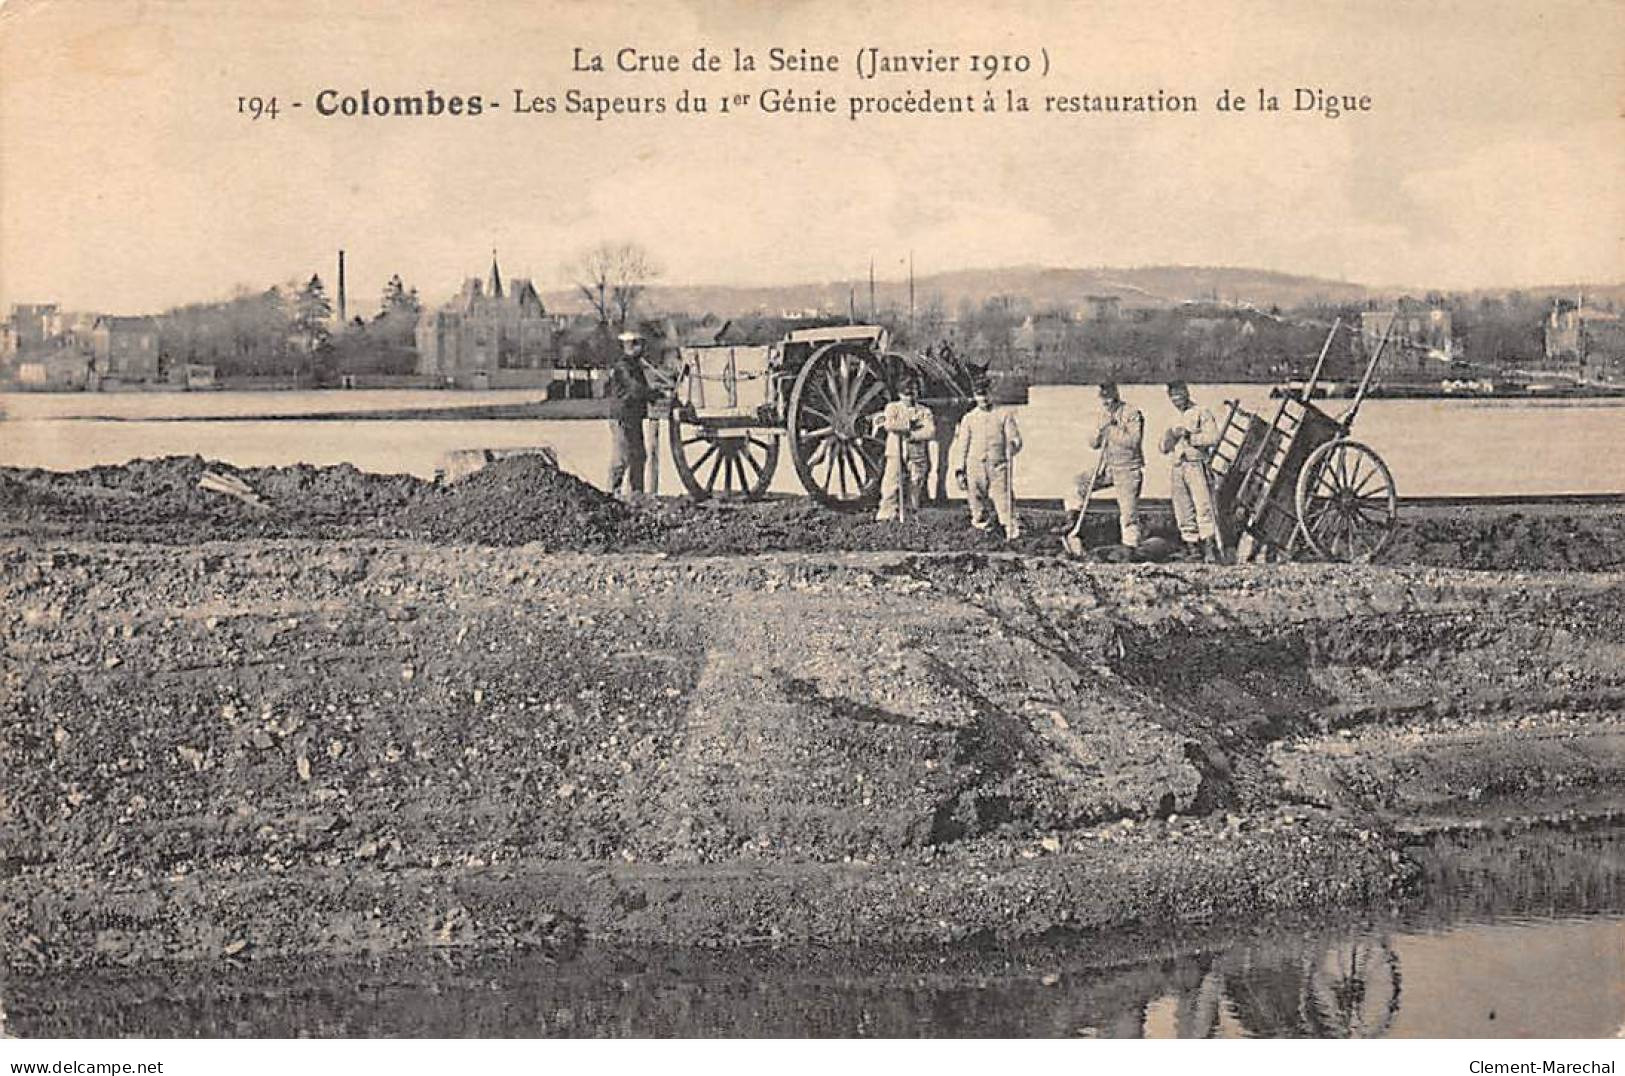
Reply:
x=1513 y=936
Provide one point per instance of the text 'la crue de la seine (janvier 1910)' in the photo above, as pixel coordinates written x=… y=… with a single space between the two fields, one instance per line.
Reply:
x=873 y=81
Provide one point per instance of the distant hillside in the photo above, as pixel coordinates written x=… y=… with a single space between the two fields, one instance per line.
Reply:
x=1146 y=286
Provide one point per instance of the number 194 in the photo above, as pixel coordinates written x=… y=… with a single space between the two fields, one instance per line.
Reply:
x=257 y=107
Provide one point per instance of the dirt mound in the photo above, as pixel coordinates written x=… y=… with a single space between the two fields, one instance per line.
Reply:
x=172 y=479
x=521 y=500
x=1587 y=541
x=143 y=500
x=509 y=502
x=340 y=491
x=159 y=500
x=528 y=499
x=18 y=494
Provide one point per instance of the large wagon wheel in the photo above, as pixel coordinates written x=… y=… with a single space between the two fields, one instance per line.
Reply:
x=837 y=454
x=733 y=464
x=1346 y=502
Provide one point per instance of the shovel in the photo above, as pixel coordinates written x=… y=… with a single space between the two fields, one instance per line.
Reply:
x=230 y=486
x=1071 y=540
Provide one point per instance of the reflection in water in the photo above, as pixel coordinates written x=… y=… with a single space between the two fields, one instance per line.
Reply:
x=1347 y=989
x=1337 y=988
x=1354 y=992
x=1365 y=983
x=1531 y=957
x=1315 y=986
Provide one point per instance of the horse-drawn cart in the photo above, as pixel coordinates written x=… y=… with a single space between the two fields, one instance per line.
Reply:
x=1299 y=482
x=736 y=407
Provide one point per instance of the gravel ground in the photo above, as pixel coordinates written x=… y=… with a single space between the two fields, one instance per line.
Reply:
x=265 y=748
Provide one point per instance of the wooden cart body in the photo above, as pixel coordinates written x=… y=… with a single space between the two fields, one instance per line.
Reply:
x=1298 y=482
x=730 y=384
x=816 y=391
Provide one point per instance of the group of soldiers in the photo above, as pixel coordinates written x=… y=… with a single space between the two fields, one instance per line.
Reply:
x=987 y=441
x=1190 y=442
x=983 y=451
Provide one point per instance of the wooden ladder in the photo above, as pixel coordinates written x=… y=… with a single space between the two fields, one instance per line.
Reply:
x=1282 y=433
x=1232 y=435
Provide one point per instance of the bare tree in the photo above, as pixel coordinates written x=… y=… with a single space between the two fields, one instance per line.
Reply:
x=612 y=277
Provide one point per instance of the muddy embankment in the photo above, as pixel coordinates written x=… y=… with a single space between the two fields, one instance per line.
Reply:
x=1322 y=974
x=266 y=747
x=523 y=501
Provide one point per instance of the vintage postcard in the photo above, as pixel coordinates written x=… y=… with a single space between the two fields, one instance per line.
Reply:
x=813 y=519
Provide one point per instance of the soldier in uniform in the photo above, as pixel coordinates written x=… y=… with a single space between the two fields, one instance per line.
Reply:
x=1120 y=438
x=909 y=429
x=984 y=453
x=1191 y=444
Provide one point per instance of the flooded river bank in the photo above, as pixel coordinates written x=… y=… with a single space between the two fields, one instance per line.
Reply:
x=1510 y=936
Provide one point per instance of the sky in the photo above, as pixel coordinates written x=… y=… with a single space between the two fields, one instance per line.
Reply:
x=1493 y=154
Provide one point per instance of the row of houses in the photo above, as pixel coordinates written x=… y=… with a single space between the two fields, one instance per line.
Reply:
x=497 y=334
x=45 y=346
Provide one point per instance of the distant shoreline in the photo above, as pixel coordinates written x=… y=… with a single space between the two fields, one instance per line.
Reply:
x=569 y=410
x=551 y=410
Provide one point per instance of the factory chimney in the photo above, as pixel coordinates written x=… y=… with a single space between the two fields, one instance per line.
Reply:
x=343 y=319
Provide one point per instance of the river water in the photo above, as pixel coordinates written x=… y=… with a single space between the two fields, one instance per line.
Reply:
x=1433 y=447
x=1520 y=937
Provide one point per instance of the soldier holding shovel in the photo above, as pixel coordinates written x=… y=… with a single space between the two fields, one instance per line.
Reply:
x=1119 y=438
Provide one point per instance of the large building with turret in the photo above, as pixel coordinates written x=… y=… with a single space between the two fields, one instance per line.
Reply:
x=489 y=336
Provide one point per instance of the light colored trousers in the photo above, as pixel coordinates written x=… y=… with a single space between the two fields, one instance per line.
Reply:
x=988 y=484
x=891 y=484
x=1126 y=483
x=627 y=456
x=1193 y=501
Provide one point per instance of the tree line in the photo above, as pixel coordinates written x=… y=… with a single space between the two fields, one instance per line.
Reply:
x=287 y=331
x=1208 y=341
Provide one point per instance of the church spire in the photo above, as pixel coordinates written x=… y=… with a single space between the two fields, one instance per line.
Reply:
x=495 y=288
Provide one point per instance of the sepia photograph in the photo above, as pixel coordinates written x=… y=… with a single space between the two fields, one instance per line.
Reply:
x=816 y=520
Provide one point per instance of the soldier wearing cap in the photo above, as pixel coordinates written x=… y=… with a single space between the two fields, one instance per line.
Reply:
x=984 y=453
x=1191 y=444
x=628 y=389
x=1120 y=438
x=909 y=430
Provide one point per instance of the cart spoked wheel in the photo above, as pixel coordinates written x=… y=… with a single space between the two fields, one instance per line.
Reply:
x=1347 y=507
x=837 y=454
x=726 y=464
